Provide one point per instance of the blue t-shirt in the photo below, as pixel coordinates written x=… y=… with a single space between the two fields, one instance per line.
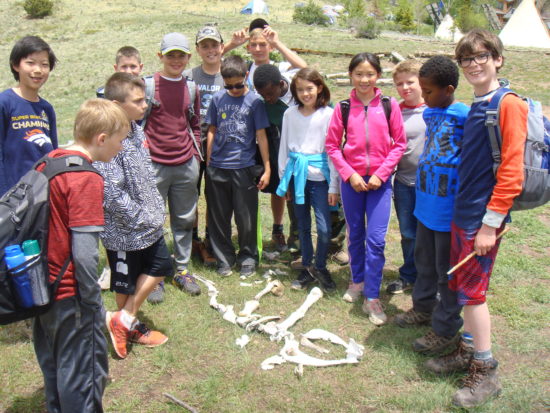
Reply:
x=236 y=120
x=437 y=174
x=27 y=132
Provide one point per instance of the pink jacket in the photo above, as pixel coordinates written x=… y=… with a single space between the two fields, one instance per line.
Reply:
x=369 y=150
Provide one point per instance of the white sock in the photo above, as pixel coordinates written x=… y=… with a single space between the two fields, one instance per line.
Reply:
x=126 y=319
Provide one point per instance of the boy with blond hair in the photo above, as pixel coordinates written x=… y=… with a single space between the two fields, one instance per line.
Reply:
x=68 y=339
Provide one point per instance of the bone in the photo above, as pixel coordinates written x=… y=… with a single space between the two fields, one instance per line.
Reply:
x=292 y=353
x=260 y=322
x=242 y=341
x=299 y=370
x=276 y=287
x=244 y=321
x=229 y=315
x=304 y=341
x=249 y=308
x=270 y=362
x=314 y=295
x=320 y=334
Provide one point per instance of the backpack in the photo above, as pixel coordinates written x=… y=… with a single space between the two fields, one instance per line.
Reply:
x=24 y=215
x=345 y=108
x=536 y=159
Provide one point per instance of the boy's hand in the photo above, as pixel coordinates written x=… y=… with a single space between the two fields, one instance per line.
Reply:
x=358 y=183
x=485 y=239
x=374 y=183
x=240 y=37
x=333 y=199
x=264 y=180
x=271 y=36
x=288 y=196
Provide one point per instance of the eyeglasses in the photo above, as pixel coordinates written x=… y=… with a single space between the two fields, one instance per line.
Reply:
x=230 y=87
x=480 y=59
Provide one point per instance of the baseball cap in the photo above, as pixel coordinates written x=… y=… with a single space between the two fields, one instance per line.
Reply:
x=209 y=31
x=174 y=41
x=258 y=23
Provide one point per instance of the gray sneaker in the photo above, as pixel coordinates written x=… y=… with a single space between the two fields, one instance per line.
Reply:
x=458 y=360
x=186 y=282
x=411 y=318
x=481 y=384
x=431 y=343
x=224 y=270
x=157 y=295
x=399 y=287
x=375 y=311
x=247 y=270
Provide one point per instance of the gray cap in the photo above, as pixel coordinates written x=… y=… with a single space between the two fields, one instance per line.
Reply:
x=174 y=41
x=209 y=31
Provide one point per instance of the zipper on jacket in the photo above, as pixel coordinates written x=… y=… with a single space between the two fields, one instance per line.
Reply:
x=367 y=138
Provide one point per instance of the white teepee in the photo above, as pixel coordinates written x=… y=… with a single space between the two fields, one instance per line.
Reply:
x=447 y=30
x=526 y=28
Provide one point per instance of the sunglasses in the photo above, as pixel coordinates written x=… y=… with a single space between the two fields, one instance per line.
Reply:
x=231 y=87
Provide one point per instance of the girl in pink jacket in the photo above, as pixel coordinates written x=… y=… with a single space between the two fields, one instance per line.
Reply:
x=372 y=147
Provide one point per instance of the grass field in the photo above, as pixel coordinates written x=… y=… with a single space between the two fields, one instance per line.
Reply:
x=201 y=363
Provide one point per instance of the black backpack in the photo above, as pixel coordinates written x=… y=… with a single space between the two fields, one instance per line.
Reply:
x=24 y=215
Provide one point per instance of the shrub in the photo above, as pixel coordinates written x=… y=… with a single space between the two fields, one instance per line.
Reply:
x=310 y=14
x=37 y=9
x=369 y=29
x=354 y=8
x=405 y=17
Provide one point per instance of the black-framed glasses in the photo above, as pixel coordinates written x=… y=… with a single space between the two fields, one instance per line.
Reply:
x=480 y=59
x=230 y=87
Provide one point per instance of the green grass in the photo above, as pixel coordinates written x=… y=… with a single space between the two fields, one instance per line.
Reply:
x=201 y=364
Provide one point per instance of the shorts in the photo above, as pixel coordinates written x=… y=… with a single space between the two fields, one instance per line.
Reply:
x=471 y=281
x=127 y=266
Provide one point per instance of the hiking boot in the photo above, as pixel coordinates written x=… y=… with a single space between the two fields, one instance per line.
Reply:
x=118 y=332
x=353 y=293
x=186 y=282
x=297 y=264
x=375 y=311
x=411 y=318
x=325 y=280
x=143 y=335
x=341 y=257
x=293 y=243
x=481 y=384
x=247 y=270
x=399 y=287
x=303 y=280
x=458 y=360
x=431 y=343
x=224 y=270
x=157 y=295
x=201 y=251
x=279 y=242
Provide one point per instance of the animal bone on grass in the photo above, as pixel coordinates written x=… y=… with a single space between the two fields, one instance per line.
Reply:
x=292 y=353
x=314 y=295
x=275 y=287
x=304 y=341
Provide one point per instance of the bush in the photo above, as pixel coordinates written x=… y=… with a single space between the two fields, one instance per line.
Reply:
x=354 y=8
x=369 y=29
x=404 y=17
x=310 y=14
x=37 y=9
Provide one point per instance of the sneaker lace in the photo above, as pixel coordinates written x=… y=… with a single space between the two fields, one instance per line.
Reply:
x=143 y=329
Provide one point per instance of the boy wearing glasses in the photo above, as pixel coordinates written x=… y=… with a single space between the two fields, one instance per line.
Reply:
x=237 y=119
x=482 y=209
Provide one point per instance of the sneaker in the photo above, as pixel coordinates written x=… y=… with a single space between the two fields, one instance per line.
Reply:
x=431 y=343
x=341 y=257
x=279 y=242
x=353 y=293
x=105 y=278
x=399 y=287
x=247 y=270
x=303 y=280
x=325 y=280
x=293 y=243
x=201 y=251
x=375 y=311
x=480 y=385
x=157 y=295
x=412 y=318
x=457 y=361
x=224 y=270
x=143 y=335
x=118 y=332
x=186 y=282
x=297 y=264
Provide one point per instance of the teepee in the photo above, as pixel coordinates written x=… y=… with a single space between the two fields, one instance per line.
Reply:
x=447 y=30
x=526 y=28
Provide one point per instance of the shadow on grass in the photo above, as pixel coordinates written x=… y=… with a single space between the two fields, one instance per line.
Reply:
x=34 y=402
x=20 y=332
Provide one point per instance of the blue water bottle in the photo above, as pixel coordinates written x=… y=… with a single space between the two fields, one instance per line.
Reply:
x=21 y=280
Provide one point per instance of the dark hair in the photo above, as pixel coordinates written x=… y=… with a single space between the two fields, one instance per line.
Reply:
x=120 y=84
x=440 y=70
x=370 y=58
x=313 y=76
x=258 y=23
x=479 y=37
x=233 y=66
x=27 y=46
x=266 y=75
x=127 y=51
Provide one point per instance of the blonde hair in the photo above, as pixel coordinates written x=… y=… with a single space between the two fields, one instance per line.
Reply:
x=254 y=34
x=411 y=66
x=96 y=116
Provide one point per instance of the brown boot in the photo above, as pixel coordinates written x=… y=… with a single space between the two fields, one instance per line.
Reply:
x=412 y=318
x=207 y=259
x=431 y=343
x=458 y=360
x=481 y=384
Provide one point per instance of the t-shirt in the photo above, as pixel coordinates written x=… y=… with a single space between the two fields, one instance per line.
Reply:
x=236 y=120
x=437 y=174
x=27 y=133
x=76 y=200
x=415 y=129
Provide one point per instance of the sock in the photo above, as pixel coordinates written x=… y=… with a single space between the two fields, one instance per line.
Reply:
x=277 y=229
x=467 y=338
x=126 y=319
x=483 y=355
x=196 y=234
x=134 y=324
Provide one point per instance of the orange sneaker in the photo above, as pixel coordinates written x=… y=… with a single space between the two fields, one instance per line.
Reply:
x=146 y=337
x=118 y=332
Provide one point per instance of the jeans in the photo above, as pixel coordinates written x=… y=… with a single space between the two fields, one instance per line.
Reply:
x=404 y=198
x=316 y=196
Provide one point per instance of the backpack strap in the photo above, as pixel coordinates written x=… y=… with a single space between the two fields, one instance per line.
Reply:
x=344 y=109
x=149 y=97
x=386 y=104
x=62 y=164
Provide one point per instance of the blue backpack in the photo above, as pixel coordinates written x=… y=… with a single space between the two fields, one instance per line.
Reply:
x=536 y=160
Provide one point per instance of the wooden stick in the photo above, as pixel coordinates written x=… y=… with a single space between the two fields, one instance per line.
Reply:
x=470 y=255
x=180 y=403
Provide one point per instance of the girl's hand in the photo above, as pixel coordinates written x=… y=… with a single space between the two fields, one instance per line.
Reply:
x=374 y=183
x=485 y=239
x=358 y=183
x=333 y=199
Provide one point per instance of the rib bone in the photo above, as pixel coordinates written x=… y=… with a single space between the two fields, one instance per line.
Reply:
x=311 y=299
x=304 y=341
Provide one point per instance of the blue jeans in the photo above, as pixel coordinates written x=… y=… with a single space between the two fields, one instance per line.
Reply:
x=404 y=198
x=316 y=196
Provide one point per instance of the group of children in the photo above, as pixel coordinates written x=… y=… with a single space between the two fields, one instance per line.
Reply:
x=153 y=139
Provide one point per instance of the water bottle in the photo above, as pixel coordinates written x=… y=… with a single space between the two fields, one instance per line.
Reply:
x=21 y=280
x=40 y=294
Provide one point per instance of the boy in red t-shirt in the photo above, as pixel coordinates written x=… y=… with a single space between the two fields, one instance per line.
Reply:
x=68 y=340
